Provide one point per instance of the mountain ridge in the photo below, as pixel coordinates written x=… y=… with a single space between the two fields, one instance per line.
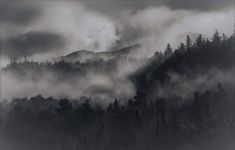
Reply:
x=86 y=55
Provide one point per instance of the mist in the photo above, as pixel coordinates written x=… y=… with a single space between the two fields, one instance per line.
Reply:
x=185 y=86
x=104 y=83
x=155 y=27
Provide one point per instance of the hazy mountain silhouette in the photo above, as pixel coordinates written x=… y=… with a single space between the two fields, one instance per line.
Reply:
x=86 y=55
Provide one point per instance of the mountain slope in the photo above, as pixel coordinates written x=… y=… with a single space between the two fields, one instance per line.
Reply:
x=85 y=55
x=185 y=71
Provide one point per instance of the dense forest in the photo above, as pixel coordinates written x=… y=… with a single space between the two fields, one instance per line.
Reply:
x=183 y=100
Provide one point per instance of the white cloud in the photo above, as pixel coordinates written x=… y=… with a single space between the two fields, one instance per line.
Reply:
x=160 y=25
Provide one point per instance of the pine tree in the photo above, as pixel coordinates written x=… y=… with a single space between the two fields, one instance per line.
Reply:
x=168 y=50
x=224 y=37
x=216 y=37
x=182 y=47
x=200 y=40
x=188 y=42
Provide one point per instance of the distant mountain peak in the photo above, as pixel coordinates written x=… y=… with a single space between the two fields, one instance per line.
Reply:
x=85 y=55
x=79 y=52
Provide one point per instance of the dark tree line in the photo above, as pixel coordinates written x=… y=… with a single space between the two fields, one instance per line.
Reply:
x=46 y=123
x=190 y=60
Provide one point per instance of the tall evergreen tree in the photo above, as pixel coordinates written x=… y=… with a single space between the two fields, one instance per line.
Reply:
x=168 y=50
x=188 y=42
x=200 y=40
x=182 y=47
x=216 y=38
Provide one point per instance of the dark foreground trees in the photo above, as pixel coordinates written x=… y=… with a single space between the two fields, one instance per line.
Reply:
x=205 y=120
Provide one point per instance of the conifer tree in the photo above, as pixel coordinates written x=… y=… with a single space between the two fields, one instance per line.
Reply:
x=188 y=42
x=168 y=50
x=199 y=40
x=216 y=38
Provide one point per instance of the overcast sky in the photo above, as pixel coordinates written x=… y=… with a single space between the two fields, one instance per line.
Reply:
x=52 y=28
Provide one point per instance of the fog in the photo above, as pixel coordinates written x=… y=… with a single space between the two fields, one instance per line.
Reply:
x=104 y=84
x=185 y=86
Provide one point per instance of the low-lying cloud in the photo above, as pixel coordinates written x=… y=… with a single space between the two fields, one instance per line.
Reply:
x=184 y=86
x=155 y=27
x=103 y=83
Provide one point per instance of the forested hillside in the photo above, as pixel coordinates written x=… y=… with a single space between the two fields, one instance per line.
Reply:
x=180 y=99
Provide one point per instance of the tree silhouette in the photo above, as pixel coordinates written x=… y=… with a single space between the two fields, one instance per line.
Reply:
x=216 y=38
x=200 y=40
x=168 y=50
x=188 y=42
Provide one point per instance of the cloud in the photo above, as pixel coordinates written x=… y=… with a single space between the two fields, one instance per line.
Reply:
x=109 y=6
x=104 y=25
x=199 y=4
x=184 y=86
x=154 y=27
x=32 y=43
x=104 y=83
x=84 y=28
x=18 y=12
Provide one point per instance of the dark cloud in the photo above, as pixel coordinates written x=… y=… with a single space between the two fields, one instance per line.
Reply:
x=200 y=4
x=32 y=43
x=18 y=12
x=110 y=6
x=23 y=11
